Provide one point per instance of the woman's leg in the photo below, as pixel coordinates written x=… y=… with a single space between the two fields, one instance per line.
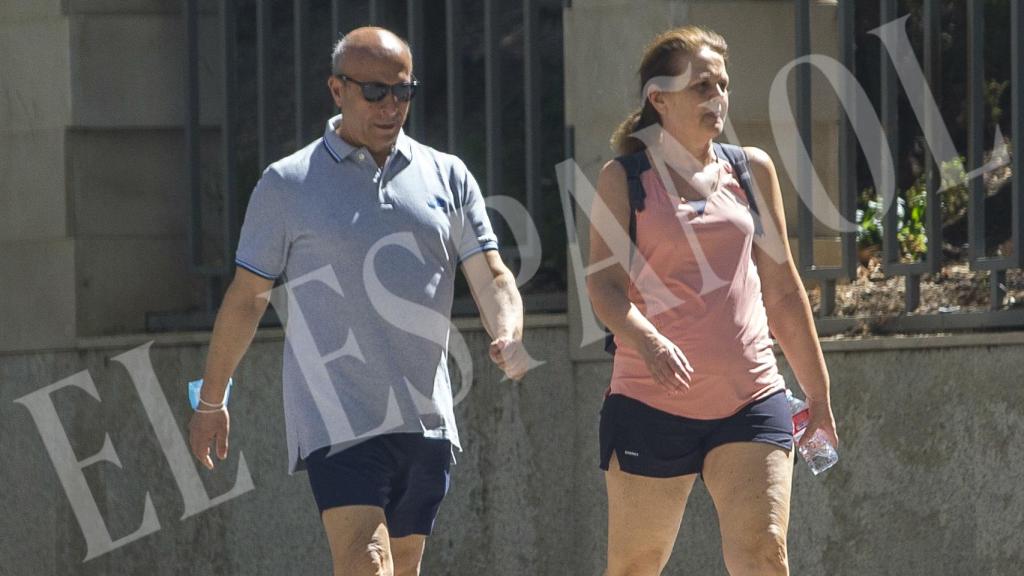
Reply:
x=750 y=483
x=643 y=520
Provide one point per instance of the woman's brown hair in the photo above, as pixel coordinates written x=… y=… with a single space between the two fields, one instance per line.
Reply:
x=661 y=59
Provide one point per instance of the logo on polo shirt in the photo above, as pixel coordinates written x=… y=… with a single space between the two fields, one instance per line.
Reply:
x=438 y=202
x=630 y=452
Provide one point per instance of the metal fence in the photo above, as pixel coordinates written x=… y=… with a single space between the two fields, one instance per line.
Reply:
x=893 y=265
x=512 y=123
x=215 y=263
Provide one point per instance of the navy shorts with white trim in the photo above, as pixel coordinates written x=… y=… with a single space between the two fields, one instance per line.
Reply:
x=650 y=442
x=405 y=474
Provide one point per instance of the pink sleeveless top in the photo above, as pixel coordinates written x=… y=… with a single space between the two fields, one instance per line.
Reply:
x=701 y=290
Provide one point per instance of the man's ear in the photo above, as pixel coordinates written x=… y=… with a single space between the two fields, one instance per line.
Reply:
x=335 y=86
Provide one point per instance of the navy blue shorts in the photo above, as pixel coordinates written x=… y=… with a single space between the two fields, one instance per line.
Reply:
x=649 y=442
x=405 y=474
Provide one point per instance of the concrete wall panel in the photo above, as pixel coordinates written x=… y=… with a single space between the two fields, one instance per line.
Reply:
x=33 y=197
x=128 y=70
x=121 y=278
x=926 y=483
x=38 y=284
x=34 y=75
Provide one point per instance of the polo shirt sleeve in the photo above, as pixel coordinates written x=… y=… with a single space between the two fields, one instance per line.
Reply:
x=263 y=243
x=475 y=232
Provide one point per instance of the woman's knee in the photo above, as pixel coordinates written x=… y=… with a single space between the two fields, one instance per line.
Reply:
x=761 y=553
x=638 y=561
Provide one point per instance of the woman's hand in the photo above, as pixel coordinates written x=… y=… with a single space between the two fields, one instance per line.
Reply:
x=821 y=419
x=667 y=363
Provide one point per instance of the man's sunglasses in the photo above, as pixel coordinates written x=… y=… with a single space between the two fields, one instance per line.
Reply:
x=376 y=91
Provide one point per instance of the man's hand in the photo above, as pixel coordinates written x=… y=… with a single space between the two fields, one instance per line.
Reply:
x=206 y=428
x=510 y=355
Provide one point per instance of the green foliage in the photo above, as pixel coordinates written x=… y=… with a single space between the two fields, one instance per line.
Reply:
x=911 y=211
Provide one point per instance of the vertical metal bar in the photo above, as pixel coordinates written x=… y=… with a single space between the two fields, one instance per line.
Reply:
x=336 y=8
x=531 y=97
x=997 y=289
x=932 y=70
x=374 y=13
x=191 y=17
x=263 y=90
x=414 y=10
x=300 y=27
x=911 y=292
x=532 y=117
x=492 y=99
x=805 y=219
x=975 y=126
x=1017 y=111
x=847 y=143
x=828 y=297
x=568 y=151
x=453 y=72
x=229 y=39
x=889 y=89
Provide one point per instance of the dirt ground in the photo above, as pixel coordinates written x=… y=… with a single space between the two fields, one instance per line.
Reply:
x=955 y=289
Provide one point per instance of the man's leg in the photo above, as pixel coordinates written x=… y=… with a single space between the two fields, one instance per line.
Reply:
x=415 y=499
x=407 y=554
x=360 y=545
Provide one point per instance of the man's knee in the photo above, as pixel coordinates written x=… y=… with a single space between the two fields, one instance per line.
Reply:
x=371 y=558
x=407 y=566
x=407 y=554
x=360 y=545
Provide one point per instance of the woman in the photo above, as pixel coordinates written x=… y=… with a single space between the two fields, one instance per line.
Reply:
x=695 y=388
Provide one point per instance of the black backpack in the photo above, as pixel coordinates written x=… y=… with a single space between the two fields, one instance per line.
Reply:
x=637 y=163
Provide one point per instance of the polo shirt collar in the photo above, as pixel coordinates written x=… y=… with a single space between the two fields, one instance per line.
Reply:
x=339 y=149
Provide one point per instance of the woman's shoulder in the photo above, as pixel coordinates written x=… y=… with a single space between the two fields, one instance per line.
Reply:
x=758 y=158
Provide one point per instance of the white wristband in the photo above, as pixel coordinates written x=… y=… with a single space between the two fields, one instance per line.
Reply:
x=205 y=403
x=194 y=390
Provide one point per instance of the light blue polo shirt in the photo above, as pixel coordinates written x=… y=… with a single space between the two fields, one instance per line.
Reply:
x=367 y=258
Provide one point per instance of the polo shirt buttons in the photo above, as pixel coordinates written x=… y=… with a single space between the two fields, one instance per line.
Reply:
x=362 y=156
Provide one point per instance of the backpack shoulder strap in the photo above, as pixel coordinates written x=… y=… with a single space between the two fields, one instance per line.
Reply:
x=738 y=158
x=635 y=165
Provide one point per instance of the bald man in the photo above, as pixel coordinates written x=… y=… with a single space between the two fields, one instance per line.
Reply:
x=365 y=227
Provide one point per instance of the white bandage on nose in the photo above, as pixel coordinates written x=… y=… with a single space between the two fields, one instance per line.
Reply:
x=718 y=105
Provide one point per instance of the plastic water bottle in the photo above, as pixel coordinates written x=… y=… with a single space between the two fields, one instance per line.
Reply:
x=818 y=452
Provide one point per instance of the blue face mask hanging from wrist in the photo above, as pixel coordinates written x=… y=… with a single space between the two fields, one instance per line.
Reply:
x=195 y=386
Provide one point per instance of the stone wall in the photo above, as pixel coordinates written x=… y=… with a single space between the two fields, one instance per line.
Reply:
x=927 y=482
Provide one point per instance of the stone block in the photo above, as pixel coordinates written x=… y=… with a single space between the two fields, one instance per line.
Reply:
x=129 y=70
x=124 y=7
x=33 y=197
x=22 y=11
x=38 y=282
x=133 y=182
x=121 y=278
x=34 y=75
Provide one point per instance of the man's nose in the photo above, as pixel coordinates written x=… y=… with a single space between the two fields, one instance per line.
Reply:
x=390 y=104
